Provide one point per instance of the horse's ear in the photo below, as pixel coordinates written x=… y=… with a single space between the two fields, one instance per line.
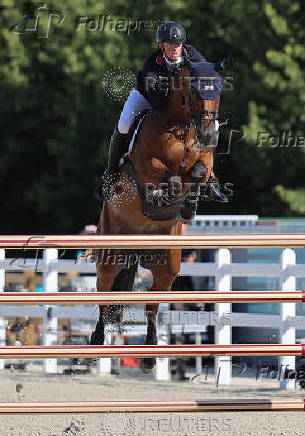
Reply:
x=221 y=65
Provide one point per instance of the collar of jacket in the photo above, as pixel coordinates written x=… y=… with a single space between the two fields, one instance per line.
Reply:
x=159 y=57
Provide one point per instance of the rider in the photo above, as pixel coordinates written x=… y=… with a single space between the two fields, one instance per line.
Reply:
x=162 y=63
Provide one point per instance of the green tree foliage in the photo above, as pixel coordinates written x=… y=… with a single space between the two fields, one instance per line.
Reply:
x=57 y=119
x=266 y=38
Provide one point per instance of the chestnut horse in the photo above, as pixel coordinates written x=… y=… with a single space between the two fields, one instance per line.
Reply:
x=173 y=149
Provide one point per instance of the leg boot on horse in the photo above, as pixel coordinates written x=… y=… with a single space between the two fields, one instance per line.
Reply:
x=213 y=192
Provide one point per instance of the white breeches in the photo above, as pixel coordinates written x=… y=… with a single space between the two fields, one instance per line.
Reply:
x=134 y=105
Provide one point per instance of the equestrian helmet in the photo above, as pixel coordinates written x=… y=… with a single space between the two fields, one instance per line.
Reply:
x=171 y=32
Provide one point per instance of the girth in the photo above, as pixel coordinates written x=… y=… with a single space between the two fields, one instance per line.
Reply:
x=168 y=211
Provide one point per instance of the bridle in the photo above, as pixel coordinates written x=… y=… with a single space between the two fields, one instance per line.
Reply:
x=195 y=119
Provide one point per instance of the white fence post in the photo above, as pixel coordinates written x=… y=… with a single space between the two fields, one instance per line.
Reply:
x=223 y=332
x=287 y=332
x=50 y=284
x=2 y=320
x=198 y=358
x=163 y=363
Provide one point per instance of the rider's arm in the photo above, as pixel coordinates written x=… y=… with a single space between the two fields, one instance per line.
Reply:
x=156 y=89
x=148 y=83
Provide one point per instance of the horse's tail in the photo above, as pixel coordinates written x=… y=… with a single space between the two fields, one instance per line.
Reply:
x=125 y=279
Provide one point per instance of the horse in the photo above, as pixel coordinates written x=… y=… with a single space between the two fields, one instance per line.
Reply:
x=170 y=161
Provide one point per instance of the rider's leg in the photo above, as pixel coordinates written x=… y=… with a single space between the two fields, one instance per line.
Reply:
x=117 y=148
x=134 y=105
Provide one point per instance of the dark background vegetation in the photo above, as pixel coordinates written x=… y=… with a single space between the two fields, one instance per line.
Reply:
x=56 y=119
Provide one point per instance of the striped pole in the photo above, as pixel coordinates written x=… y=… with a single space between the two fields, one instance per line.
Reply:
x=153 y=241
x=31 y=298
x=134 y=406
x=95 y=352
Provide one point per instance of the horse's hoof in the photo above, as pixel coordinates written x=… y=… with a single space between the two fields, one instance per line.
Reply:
x=186 y=215
x=147 y=364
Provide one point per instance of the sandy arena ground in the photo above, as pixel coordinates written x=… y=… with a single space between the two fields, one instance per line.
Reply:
x=36 y=387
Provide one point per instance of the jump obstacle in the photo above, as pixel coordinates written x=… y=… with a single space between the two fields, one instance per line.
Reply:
x=27 y=298
x=153 y=241
x=157 y=241
x=103 y=351
x=243 y=405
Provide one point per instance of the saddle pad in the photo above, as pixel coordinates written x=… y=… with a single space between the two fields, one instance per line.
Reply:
x=132 y=141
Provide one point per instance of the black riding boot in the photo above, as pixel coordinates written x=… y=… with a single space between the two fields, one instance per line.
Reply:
x=117 y=148
x=213 y=191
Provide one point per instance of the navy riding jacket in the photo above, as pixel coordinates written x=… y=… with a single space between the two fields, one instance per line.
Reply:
x=149 y=83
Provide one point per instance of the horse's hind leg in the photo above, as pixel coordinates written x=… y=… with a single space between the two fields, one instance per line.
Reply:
x=163 y=277
x=110 y=278
x=105 y=279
